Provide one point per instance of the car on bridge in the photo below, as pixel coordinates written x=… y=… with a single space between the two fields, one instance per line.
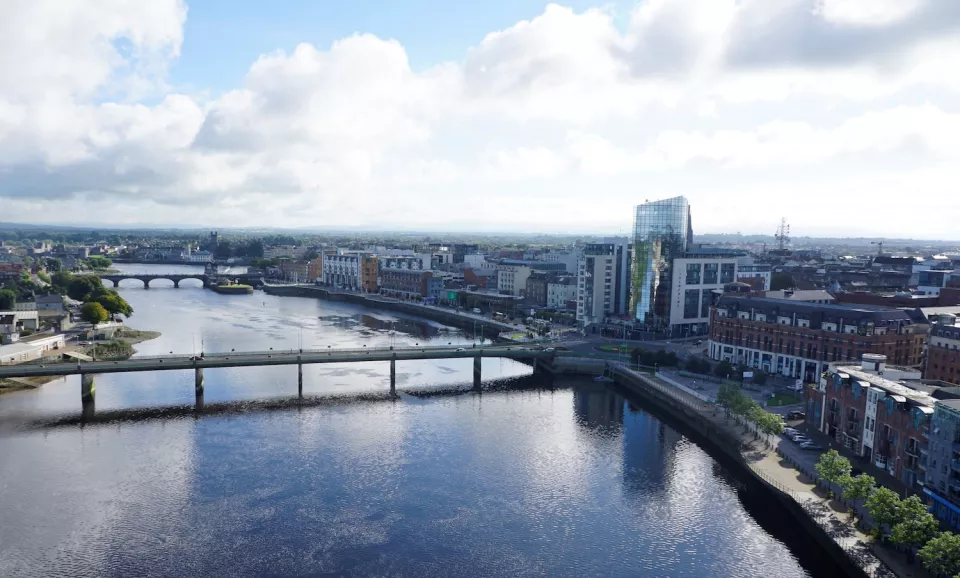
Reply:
x=196 y=358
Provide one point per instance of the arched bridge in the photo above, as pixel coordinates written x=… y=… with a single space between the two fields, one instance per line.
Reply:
x=147 y=278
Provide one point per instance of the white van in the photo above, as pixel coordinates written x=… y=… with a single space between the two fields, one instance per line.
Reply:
x=476 y=311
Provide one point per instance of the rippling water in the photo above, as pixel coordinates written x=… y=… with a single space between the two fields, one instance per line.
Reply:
x=571 y=480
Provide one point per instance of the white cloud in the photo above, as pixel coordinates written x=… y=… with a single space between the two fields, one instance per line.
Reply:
x=775 y=105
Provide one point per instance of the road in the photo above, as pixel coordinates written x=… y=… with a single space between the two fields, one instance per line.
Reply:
x=292 y=357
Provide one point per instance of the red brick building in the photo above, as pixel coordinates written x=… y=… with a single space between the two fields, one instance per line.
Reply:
x=799 y=339
x=943 y=354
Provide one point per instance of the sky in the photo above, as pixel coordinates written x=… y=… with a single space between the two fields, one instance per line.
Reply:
x=842 y=116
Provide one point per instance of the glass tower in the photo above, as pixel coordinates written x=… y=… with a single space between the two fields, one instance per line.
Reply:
x=662 y=231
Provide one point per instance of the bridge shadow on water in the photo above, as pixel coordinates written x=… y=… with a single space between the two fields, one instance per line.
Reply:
x=198 y=410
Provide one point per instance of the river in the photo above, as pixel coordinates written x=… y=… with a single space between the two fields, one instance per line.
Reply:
x=525 y=479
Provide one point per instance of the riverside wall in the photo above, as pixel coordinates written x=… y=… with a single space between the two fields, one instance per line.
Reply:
x=488 y=328
x=712 y=435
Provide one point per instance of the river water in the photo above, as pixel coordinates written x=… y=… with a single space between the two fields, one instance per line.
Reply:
x=525 y=479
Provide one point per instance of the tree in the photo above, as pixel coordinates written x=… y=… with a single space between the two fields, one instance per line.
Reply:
x=833 y=467
x=769 y=423
x=8 y=299
x=781 y=281
x=941 y=555
x=760 y=378
x=61 y=280
x=915 y=527
x=99 y=262
x=54 y=264
x=94 y=313
x=884 y=507
x=114 y=303
x=81 y=288
x=723 y=369
x=857 y=488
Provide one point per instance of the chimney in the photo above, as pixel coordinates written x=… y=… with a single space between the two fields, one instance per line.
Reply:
x=874 y=363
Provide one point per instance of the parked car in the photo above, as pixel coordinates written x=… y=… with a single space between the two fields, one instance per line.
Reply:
x=790 y=432
x=799 y=439
x=810 y=446
x=796 y=415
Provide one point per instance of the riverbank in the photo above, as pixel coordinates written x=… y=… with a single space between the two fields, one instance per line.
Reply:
x=757 y=457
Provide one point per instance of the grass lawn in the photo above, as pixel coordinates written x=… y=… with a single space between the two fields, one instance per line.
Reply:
x=617 y=348
x=783 y=399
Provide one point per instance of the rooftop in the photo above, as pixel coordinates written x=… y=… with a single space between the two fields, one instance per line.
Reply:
x=827 y=306
x=856 y=372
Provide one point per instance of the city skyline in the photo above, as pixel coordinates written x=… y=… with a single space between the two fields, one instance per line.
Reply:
x=524 y=116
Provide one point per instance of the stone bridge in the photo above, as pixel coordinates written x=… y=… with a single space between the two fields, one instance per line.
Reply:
x=147 y=278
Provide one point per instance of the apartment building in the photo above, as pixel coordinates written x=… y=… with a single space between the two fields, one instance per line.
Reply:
x=560 y=291
x=800 y=339
x=369 y=274
x=884 y=422
x=943 y=354
x=695 y=279
x=342 y=270
x=512 y=274
x=603 y=281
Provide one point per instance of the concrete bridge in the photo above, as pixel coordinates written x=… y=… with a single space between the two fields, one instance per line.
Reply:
x=147 y=278
x=540 y=358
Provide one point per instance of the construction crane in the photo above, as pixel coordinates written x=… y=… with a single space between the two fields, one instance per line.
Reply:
x=879 y=245
x=783 y=234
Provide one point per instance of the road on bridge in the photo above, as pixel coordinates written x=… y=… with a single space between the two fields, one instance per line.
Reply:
x=258 y=358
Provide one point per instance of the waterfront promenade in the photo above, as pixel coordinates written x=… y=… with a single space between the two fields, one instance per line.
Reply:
x=773 y=460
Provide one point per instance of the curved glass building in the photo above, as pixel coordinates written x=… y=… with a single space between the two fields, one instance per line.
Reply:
x=662 y=231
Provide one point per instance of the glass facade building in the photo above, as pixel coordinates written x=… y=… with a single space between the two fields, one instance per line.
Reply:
x=662 y=231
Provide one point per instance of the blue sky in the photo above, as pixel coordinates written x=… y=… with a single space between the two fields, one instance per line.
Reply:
x=561 y=122
x=223 y=37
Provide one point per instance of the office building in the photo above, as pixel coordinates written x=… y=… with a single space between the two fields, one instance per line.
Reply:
x=800 y=339
x=696 y=277
x=662 y=232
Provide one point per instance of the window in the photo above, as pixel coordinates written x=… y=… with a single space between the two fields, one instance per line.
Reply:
x=691 y=303
x=727 y=271
x=711 y=272
x=693 y=273
x=705 y=299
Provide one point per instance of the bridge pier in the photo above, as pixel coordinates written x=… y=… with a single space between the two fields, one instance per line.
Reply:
x=300 y=380
x=146 y=283
x=198 y=381
x=116 y=282
x=476 y=372
x=393 y=375
x=88 y=389
x=176 y=283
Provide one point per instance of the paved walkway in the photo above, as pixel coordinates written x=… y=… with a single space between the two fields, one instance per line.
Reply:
x=793 y=474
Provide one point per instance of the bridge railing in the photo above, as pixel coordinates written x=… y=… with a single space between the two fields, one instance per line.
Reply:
x=324 y=351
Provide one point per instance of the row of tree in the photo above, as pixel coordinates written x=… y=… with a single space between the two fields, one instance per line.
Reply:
x=659 y=358
x=99 y=302
x=906 y=523
x=731 y=397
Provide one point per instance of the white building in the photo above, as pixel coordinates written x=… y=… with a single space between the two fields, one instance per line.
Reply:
x=342 y=270
x=474 y=261
x=570 y=259
x=692 y=290
x=200 y=257
x=560 y=291
x=512 y=278
x=24 y=351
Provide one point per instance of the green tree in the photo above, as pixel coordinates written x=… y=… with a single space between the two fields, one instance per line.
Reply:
x=915 y=527
x=53 y=264
x=769 y=423
x=723 y=369
x=856 y=488
x=94 y=313
x=833 y=467
x=941 y=555
x=8 y=298
x=781 y=281
x=43 y=277
x=61 y=280
x=114 y=303
x=884 y=507
x=99 y=262
x=82 y=288
x=760 y=378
